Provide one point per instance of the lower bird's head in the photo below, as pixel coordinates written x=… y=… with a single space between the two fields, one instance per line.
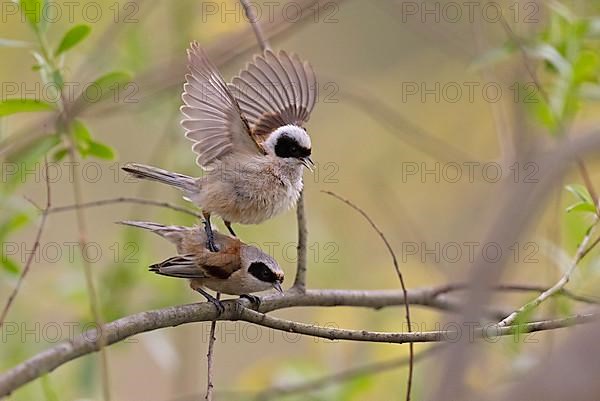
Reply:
x=292 y=144
x=261 y=268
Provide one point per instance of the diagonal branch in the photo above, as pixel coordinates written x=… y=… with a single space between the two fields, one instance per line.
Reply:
x=400 y=277
x=36 y=245
x=556 y=287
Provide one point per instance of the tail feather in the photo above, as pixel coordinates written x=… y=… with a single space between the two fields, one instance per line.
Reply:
x=172 y=233
x=181 y=181
x=182 y=266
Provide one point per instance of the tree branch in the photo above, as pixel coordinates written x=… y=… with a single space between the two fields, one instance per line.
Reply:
x=300 y=280
x=556 y=287
x=142 y=322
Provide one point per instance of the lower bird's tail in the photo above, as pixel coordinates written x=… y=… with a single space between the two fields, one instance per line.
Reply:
x=181 y=181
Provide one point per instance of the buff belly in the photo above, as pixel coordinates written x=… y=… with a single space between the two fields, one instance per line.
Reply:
x=249 y=201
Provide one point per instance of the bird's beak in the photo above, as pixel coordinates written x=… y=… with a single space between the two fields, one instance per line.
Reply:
x=308 y=163
x=277 y=286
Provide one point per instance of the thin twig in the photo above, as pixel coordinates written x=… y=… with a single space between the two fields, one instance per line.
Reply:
x=253 y=18
x=556 y=287
x=300 y=281
x=36 y=245
x=400 y=277
x=209 y=358
x=302 y=248
x=111 y=201
x=89 y=277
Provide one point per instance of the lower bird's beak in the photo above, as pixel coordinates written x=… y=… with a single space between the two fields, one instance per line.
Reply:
x=277 y=286
x=308 y=163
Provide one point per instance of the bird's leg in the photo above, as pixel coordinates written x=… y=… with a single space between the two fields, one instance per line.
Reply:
x=228 y=225
x=218 y=304
x=252 y=298
x=210 y=242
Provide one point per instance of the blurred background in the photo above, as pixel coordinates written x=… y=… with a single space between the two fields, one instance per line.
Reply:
x=411 y=95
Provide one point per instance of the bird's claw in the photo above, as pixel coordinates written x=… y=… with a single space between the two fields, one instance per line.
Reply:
x=219 y=305
x=252 y=298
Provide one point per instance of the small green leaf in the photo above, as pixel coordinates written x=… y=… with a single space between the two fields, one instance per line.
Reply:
x=14 y=223
x=12 y=106
x=10 y=265
x=581 y=207
x=33 y=12
x=82 y=137
x=72 y=38
x=60 y=154
x=580 y=192
x=587 y=67
x=48 y=389
x=101 y=151
x=105 y=86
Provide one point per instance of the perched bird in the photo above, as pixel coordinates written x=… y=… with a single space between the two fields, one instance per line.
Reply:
x=237 y=269
x=248 y=137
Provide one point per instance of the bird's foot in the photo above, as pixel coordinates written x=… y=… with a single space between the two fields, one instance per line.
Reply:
x=210 y=242
x=218 y=304
x=252 y=298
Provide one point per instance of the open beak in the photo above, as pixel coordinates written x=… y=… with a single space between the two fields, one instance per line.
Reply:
x=308 y=163
x=277 y=286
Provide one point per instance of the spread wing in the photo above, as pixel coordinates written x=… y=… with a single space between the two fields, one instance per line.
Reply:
x=213 y=120
x=275 y=90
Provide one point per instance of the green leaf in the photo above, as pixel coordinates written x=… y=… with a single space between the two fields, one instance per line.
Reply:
x=72 y=38
x=101 y=151
x=33 y=11
x=587 y=67
x=12 y=106
x=10 y=265
x=60 y=154
x=82 y=137
x=545 y=51
x=48 y=389
x=580 y=192
x=105 y=86
x=14 y=223
x=581 y=207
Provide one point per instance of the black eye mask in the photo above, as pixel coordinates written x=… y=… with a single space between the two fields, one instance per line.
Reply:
x=289 y=147
x=262 y=272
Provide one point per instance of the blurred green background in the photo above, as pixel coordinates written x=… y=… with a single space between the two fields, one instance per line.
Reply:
x=374 y=50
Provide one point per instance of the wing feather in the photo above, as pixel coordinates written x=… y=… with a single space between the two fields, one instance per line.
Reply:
x=275 y=90
x=212 y=116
